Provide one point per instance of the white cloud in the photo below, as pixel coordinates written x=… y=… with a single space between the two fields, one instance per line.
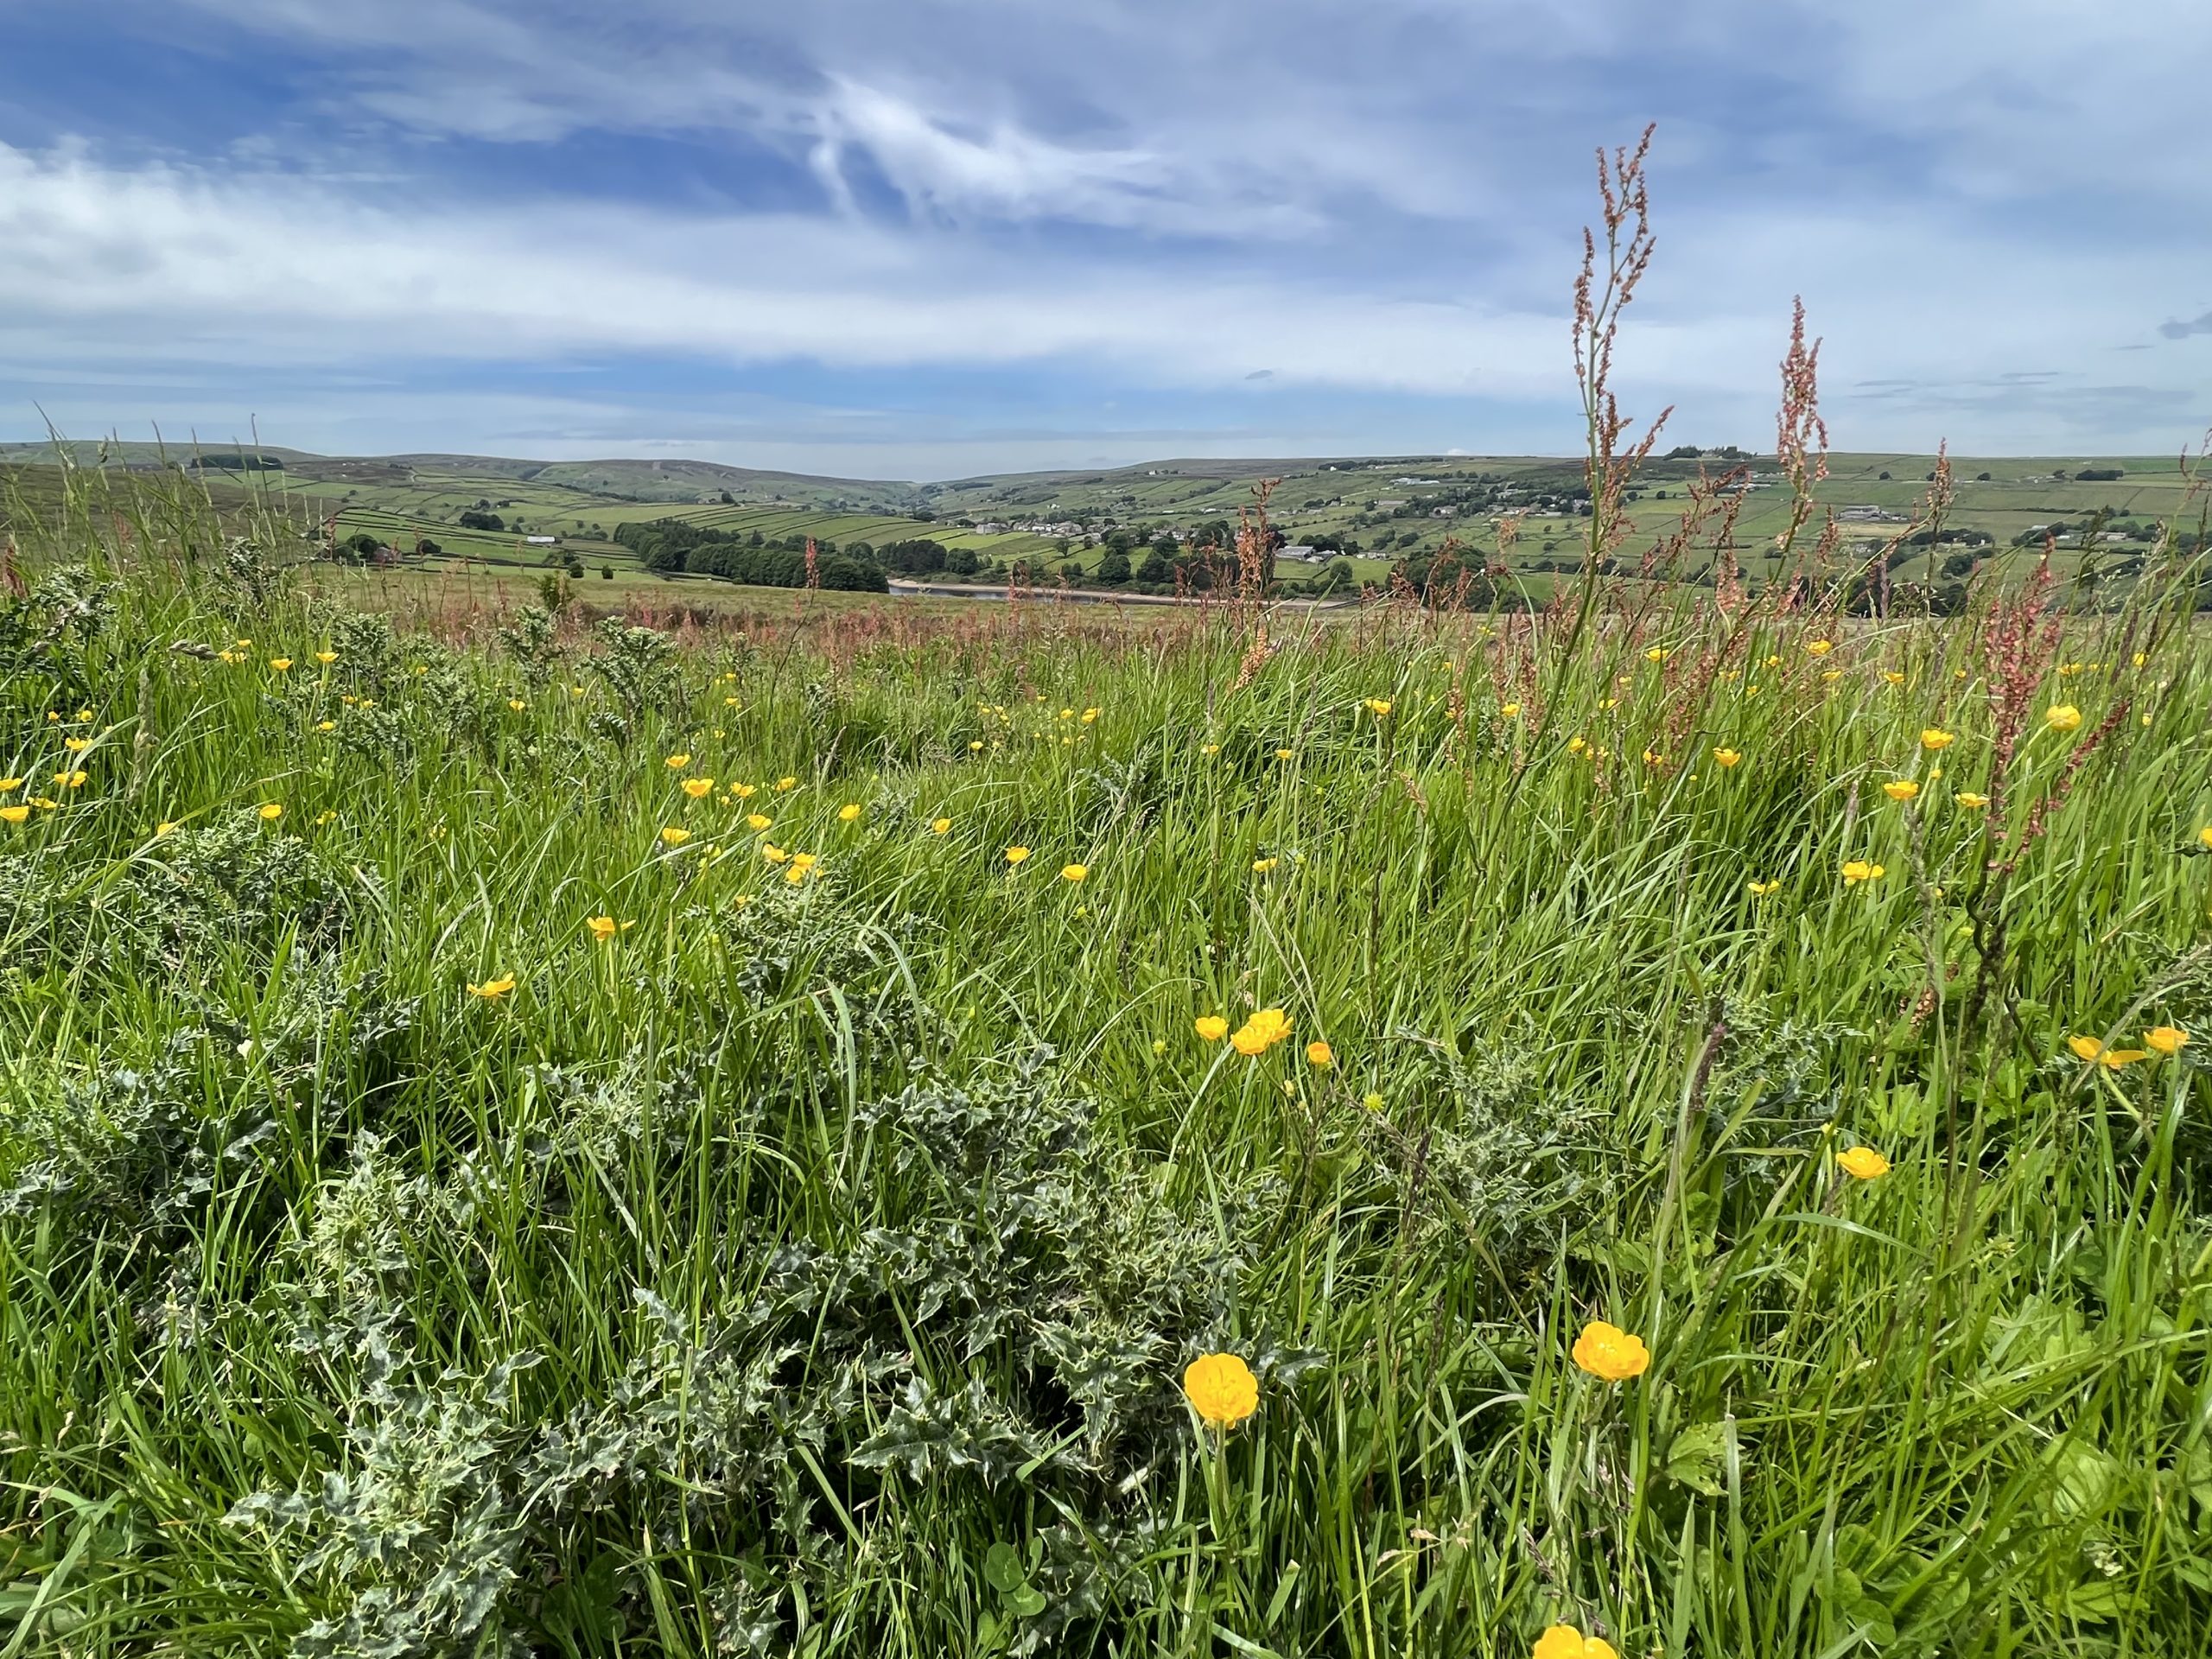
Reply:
x=172 y=269
x=1378 y=200
x=278 y=270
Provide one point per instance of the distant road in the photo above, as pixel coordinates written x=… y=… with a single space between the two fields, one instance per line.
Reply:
x=1082 y=596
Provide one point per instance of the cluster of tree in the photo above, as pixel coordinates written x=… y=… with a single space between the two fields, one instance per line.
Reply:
x=920 y=556
x=2098 y=474
x=1959 y=536
x=673 y=546
x=1450 y=580
x=476 y=518
x=238 y=463
x=2133 y=529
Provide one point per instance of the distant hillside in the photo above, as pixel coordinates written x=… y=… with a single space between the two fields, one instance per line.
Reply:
x=1373 y=515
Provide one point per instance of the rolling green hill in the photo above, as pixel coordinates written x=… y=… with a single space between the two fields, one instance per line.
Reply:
x=1519 y=511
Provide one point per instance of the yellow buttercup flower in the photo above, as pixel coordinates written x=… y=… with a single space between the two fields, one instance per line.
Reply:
x=1934 y=737
x=1211 y=1026
x=18 y=783
x=2089 y=1048
x=76 y=744
x=516 y=704
x=326 y=725
x=604 y=928
x=1320 y=1056
x=675 y=834
x=677 y=762
x=325 y=817
x=1379 y=707
x=71 y=779
x=849 y=812
x=1565 y=1641
x=1074 y=872
x=492 y=989
x=280 y=664
x=1090 y=717
x=1892 y=676
x=2063 y=717
x=773 y=853
x=16 y=814
x=270 y=811
x=1261 y=866
x=1858 y=869
x=166 y=827
x=1015 y=854
x=1901 y=789
x=1285 y=754
x=1656 y=654
x=1209 y=748
x=1863 y=1163
x=1760 y=889
x=1606 y=1351
x=757 y=821
x=1726 y=757
x=940 y=826
x=783 y=784
x=1510 y=710
x=2204 y=836
x=1820 y=647
x=740 y=791
x=2165 y=1040
x=1221 y=1390
x=1972 y=802
x=698 y=788
x=1260 y=1032
x=326 y=657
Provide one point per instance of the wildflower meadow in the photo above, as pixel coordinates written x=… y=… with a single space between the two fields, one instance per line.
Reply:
x=1667 y=1125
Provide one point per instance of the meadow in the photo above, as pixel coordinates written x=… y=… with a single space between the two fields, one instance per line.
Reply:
x=1666 y=1124
x=1667 y=1129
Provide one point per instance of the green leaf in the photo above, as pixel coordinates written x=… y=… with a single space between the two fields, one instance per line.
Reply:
x=1025 y=1601
x=1693 y=1457
x=1002 y=1569
x=1873 y=1617
x=2083 y=1480
x=2098 y=1599
x=2197 y=1472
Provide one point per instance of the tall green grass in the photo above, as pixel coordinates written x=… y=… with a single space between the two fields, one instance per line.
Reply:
x=811 y=1268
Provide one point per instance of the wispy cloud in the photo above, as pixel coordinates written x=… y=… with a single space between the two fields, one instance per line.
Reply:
x=1361 y=217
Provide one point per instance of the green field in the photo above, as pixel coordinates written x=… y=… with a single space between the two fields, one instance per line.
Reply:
x=402 y=500
x=530 y=1133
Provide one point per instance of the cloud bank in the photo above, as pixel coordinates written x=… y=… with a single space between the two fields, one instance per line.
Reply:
x=954 y=236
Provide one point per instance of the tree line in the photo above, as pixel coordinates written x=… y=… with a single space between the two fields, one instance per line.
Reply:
x=673 y=546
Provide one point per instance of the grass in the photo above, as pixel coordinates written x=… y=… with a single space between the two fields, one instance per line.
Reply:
x=810 y=1266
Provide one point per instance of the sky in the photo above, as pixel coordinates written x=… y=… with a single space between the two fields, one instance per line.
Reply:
x=917 y=238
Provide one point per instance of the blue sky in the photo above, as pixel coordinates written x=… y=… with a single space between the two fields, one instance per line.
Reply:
x=907 y=238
